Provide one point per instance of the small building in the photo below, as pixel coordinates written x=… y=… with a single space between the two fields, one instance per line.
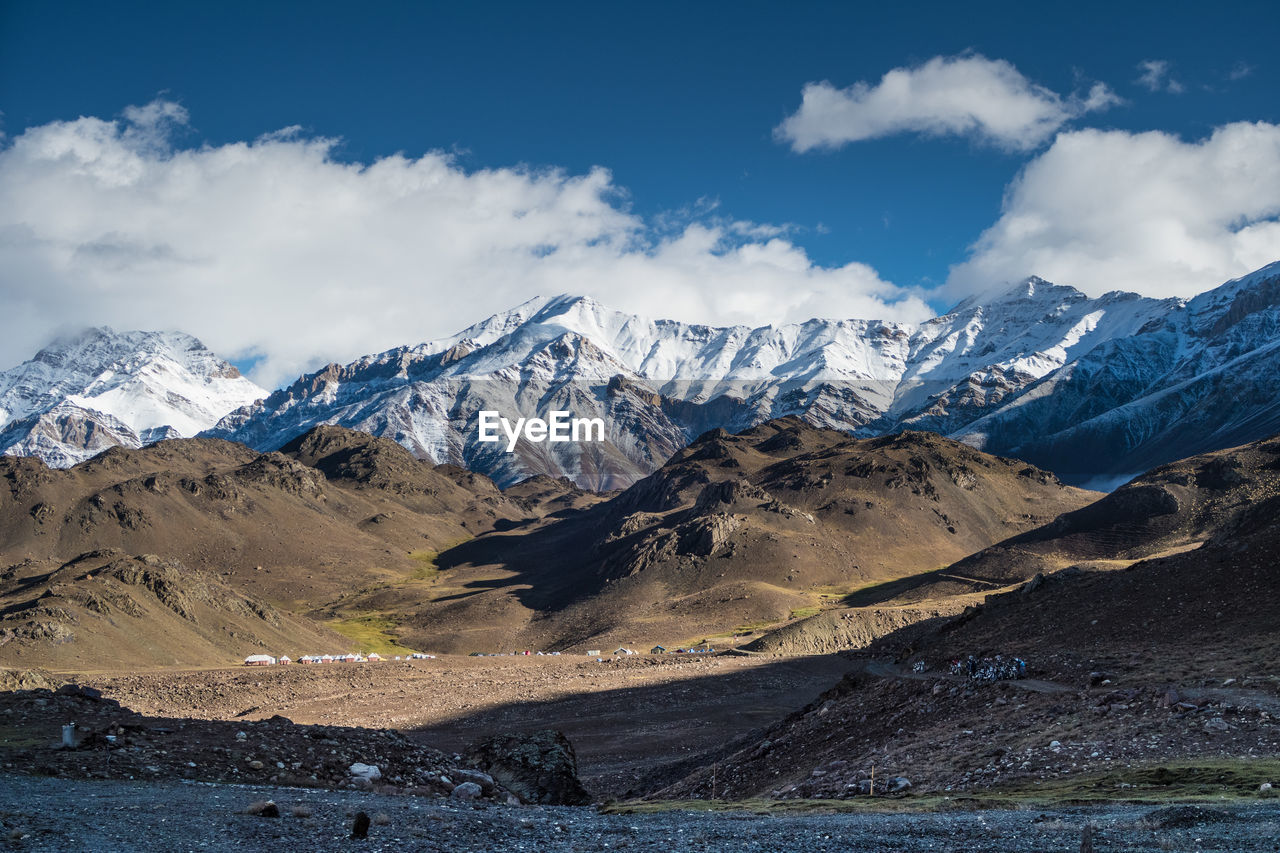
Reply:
x=657 y=650
x=623 y=650
x=259 y=660
x=308 y=659
x=350 y=658
x=374 y=656
x=593 y=653
x=283 y=660
x=326 y=658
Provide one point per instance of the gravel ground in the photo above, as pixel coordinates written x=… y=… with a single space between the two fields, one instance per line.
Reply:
x=43 y=814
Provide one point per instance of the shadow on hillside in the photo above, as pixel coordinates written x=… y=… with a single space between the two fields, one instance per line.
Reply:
x=631 y=738
x=551 y=563
x=888 y=590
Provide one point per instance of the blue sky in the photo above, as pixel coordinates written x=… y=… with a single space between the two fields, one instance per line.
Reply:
x=678 y=101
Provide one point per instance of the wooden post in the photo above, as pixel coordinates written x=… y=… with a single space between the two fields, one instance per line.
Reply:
x=873 y=780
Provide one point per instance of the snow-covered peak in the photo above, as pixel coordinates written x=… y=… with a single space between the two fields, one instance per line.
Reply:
x=1028 y=294
x=140 y=383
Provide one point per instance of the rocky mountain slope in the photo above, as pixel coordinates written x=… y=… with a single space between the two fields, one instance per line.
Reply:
x=1150 y=678
x=106 y=609
x=734 y=533
x=1173 y=508
x=100 y=389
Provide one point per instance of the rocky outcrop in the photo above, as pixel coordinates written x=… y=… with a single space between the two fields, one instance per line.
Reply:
x=539 y=767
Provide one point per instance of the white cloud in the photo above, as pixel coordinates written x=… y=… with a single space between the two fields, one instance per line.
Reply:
x=274 y=248
x=1148 y=212
x=986 y=99
x=1240 y=70
x=1155 y=76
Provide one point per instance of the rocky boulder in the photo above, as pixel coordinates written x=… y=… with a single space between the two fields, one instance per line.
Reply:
x=539 y=767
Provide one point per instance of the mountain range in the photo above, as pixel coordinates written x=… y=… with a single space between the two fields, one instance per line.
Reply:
x=351 y=530
x=1094 y=389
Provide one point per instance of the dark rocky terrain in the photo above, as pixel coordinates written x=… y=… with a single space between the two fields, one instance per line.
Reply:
x=57 y=815
x=1169 y=662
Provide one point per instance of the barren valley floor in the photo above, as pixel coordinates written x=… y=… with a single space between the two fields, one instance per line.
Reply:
x=624 y=716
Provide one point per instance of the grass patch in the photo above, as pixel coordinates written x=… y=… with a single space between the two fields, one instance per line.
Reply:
x=763 y=806
x=370 y=633
x=426 y=570
x=745 y=629
x=1190 y=779
x=1210 y=780
x=24 y=737
x=763 y=627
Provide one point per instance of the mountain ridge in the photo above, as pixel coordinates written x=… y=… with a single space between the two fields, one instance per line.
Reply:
x=1094 y=389
x=660 y=383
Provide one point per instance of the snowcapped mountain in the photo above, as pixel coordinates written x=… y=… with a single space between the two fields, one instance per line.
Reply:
x=1202 y=376
x=101 y=388
x=657 y=383
x=1090 y=388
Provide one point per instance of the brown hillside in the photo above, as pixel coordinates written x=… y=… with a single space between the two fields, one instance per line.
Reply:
x=336 y=514
x=1169 y=509
x=108 y=610
x=1172 y=658
x=274 y=525
x=734 y=532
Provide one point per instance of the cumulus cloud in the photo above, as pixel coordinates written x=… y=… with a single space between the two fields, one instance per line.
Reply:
x=1148 y=212
x=275 y=250
x=1155 y=76
x=986 y=99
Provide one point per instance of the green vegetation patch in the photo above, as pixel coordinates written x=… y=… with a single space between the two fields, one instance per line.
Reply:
x=1209 y=780
x=763 y=806
x=25 y=737
x=371 y=633
x=763 y=627
x=1188 y=780
x=427 y=570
